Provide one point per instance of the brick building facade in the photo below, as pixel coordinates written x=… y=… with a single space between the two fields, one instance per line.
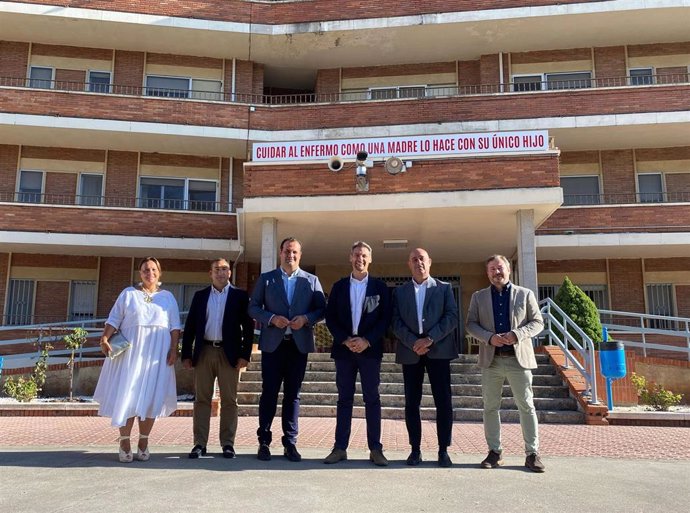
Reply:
x=127 y=129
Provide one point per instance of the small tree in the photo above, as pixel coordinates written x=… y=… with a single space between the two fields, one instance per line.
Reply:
x=581 y=309
x=74 y=341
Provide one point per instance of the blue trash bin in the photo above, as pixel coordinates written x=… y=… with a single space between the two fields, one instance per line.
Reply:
x=612 y=361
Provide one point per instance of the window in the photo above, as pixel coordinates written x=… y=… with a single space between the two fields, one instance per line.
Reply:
x=388 y=93
x=82 y=300
x=527 y=83
x=597 y=293
x=184 y=292
x=40 y=77
x=20 y=301
x=577 y=80
x=580 y=190
x=30 y=187
x=660 y=302
x=98 y=82
x=641 y=76
x=90 y=189
x=168 y=87
x=178 y=193
x=552 y=81
x=202 y=195
x=650 y=188
x=207 y=90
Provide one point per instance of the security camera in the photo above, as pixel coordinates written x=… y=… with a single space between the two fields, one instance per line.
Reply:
x=335 y=163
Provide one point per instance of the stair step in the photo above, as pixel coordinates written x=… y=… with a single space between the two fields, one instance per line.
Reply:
x=461 y=415
x=320 y=394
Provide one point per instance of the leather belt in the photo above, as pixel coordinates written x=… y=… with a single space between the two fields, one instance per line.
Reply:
x=214 y=343
x=288 y=337
x=503 y=354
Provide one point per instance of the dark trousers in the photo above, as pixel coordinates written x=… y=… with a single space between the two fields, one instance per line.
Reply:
x=370 y=376
x=286 y=366
x=439 y=378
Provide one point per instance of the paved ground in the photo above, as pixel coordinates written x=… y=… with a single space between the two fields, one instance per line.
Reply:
x=69 y=464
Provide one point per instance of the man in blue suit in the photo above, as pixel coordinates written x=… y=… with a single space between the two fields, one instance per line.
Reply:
x=217 y=343
x=358 y=315
x=287 y=302
x=425 y=317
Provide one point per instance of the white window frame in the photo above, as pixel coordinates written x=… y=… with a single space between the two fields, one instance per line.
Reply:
x=29 y=80
x=88 y=83
x=659 y=323
x=598 y=177
x=651 y=76
x=540 y=76
x=80 y=192
x=72 y=316
x=19 y=191
x=185 y=197
x=397 y=91
x=662 y=193
x=154 y=75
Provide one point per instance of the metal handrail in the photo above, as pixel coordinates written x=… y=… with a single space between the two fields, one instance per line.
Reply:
x=626 y=323
x=359 y=95
x=559 y=333
x=44 y=333
x=80 y=200
x=626 y=198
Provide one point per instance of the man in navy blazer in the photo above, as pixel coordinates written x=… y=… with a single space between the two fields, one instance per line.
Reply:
x=425 y=318
x=287 y=302
x=217 y=343
x=358 y=315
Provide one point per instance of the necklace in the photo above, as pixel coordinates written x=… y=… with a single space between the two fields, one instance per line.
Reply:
x=148 y=297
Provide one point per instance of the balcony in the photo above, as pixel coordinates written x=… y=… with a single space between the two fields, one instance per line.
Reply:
x=625 y=199
x=61 y=225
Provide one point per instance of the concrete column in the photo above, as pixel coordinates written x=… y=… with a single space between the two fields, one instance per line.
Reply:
x=526 y=250
x=269 y=243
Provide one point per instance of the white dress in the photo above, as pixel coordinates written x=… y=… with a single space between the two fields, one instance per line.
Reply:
x=139 y=382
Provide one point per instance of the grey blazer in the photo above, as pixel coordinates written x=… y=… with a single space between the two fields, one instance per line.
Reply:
x=439 y=321
x=526 y=322
x=269 y=299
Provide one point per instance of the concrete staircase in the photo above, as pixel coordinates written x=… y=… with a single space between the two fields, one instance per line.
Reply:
x=319 y=394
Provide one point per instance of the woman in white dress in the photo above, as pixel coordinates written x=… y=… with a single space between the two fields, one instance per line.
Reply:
x=141 y=381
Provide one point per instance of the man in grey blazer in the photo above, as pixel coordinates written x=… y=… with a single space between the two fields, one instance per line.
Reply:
x=425 y=318
x=287 y=302
x=504 y=317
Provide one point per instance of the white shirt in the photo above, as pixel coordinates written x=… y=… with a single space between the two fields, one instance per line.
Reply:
x=419 y=296
x=214 y=313
x=358 y=291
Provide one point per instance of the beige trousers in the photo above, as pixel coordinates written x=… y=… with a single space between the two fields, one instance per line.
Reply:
x=212 y=365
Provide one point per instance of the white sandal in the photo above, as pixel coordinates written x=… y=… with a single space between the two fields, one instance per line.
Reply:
x=145 y=454
x=125 y=457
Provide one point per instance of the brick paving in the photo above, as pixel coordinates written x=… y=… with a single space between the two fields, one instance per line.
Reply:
x=621 y=442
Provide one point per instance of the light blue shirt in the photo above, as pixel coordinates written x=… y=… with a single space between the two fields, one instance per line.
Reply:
x=358 y=290
x=289 y=282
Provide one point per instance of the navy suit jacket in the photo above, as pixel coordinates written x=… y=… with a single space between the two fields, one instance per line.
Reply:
x=439 y=321
x=376 y=316
x=238 y=326
x=269 y=299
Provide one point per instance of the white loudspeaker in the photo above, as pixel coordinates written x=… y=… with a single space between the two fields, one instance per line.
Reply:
x=335 y=163
x=394 y=165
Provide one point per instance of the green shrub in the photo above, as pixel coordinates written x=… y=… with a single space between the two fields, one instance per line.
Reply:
x=25 y=389
x=581 y=309
x=654 y=395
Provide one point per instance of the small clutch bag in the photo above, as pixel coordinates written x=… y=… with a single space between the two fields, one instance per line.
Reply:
x=118 y=345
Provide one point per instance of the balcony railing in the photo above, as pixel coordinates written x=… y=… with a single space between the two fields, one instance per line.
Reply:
x=359 y=95
x=35 y=198
x=629 y=198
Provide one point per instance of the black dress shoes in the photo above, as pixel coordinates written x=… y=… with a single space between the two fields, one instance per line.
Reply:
x=197 y=450
x=291 y=453
x=415 y=458
x=443 y=459
x=264 y=453
x=228 y=451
